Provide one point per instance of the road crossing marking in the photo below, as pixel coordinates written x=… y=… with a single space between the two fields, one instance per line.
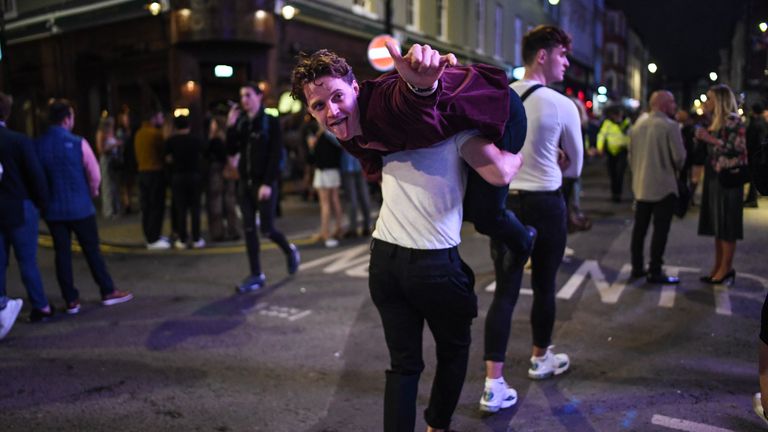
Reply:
x=684 y=425
x=289 y=313
x=354 y=263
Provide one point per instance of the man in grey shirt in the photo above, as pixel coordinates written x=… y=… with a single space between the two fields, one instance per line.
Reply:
x=656 y=152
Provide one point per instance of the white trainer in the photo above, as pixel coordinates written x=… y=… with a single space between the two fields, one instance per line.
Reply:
x=160 y=244
x=8 y=315
x=757 y=406
x=550 y=364
x=198 y=244
x=497 y=395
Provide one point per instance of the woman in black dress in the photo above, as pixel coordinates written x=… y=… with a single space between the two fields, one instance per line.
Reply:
x=721 y=213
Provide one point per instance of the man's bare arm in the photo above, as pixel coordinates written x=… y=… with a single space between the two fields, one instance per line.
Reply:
x=495 y=166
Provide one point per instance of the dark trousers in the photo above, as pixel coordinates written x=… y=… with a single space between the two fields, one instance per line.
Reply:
x=23 y=238
x=222 y=200
x=409 y=287
x=545 y=211
x=88 y=237
x=662 y=212
x=356 y=190
x=617 y=167
x=152 y=195
x=485 y=204
x=185 y=189
x=249 y=205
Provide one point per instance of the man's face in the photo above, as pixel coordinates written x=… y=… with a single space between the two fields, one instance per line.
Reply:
x=333 y=103
x=69 y=122
x=250 y=100
x=555 y=64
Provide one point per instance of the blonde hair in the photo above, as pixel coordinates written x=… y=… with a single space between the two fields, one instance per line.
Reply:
x=725 y=105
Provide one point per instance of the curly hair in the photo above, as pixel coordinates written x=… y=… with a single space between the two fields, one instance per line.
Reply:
x=312 y=67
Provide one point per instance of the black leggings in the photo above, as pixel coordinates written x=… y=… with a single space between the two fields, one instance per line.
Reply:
x=545 y=211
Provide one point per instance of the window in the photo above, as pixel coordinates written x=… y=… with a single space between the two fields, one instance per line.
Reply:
x=480 y=20
x=518 y=41
x=442 y=20
x=499 y=31
x=9 y=9
x=410 y=14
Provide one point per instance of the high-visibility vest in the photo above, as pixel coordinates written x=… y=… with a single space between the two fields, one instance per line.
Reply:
x=613 y=136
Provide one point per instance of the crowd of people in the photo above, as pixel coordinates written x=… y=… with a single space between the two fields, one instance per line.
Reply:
x=510 y=165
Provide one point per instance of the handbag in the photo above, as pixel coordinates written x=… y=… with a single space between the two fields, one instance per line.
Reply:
x=683 y=196
x=684 y=193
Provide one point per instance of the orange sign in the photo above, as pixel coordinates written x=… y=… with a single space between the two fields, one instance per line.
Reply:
x=378 y=55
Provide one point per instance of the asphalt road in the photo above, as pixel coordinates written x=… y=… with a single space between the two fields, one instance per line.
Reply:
x=307 y=353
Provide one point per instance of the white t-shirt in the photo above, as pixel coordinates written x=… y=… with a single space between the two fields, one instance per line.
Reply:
x=553 y=121
x=423 y=192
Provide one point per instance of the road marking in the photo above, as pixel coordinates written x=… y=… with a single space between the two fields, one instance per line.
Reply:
x=722 y=299
x=668 y=292
x=349 y=260
x=684 y=425
x=289 y=313
x=608 y=293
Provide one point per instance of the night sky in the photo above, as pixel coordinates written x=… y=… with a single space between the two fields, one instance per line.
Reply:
x=683 y=36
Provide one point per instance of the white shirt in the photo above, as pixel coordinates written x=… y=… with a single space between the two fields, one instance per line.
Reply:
x=423 y=191
x=553 y=121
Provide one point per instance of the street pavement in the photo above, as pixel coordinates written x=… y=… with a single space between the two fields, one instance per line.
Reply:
x=307 y=352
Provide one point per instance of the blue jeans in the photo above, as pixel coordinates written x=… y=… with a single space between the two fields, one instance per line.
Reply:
x=24 y=241
x=88 y=237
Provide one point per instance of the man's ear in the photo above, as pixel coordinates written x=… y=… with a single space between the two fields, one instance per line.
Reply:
x=355 y=87
x=541 y=55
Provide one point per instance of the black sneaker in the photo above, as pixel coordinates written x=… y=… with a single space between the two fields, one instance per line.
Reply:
x=251 y=283
x=661 y=278
x=38 y=315
x=294 y=259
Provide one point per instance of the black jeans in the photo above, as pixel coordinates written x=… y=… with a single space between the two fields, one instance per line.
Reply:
x=152 y=195
x=485 y=204
x=249 y=205
x=186 y=192
x=662 y=212
x=88 y=237
x=617 y=166
x=409 y=287
x=545 y=211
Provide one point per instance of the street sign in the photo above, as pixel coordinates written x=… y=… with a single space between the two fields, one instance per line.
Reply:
x=378 y=55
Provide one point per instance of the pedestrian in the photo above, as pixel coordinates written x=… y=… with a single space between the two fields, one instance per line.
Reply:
x=757 y=138
x=760 y=399
x=110 y=151
x=148 y=146
x=23 y=190
x=612 y=140
x=357 y=194
x=255 y=136
x=656 y=155
x=416 y=273
x=536 y=198
x=326 y=152
x=184 y=151
x=722 y=212
x=124 y=133
x=73 y=179
x=223 y=224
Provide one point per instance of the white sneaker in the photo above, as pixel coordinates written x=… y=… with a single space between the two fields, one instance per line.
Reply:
x=497 y=395
x=160 y=244
x=8 y=315
x=199 y=244
x=757 y=405
x=331 y=243
x=548 y=365
x=178 y=244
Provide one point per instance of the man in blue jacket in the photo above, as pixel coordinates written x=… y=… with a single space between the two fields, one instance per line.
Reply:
x=73 y=178
x=22 y=182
